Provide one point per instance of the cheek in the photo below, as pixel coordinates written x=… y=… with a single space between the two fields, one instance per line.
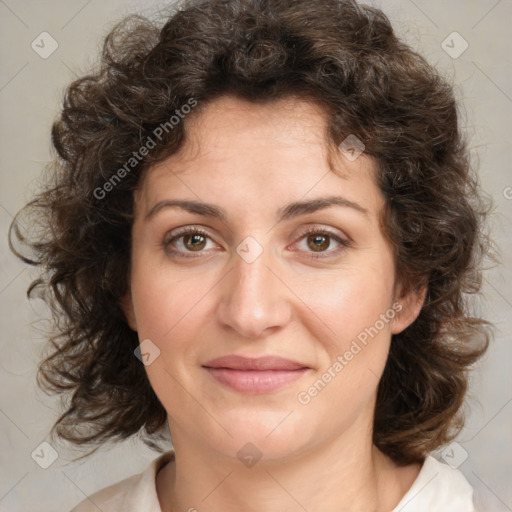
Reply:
x=354 y=350
x=174 y=310
x=347 y=315
x=169 y=310
x=164 y=300
x=343 y=305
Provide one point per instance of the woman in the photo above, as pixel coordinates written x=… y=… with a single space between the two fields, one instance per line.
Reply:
x=261 y=236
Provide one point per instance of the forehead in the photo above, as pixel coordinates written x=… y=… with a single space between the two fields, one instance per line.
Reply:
x=304 y=120
x=246 y=153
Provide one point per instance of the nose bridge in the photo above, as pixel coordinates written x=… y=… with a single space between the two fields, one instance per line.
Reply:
x=254 y=299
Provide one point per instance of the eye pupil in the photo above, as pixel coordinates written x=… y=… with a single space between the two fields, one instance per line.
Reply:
x=319 y=242
x=198 y=241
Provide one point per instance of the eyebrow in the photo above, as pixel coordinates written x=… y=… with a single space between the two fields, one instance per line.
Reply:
x=287 y=212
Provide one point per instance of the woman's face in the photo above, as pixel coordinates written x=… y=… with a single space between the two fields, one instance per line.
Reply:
x=248 y=280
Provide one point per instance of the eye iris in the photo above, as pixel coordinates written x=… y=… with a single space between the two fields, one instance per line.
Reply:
x=198 y=241
x=317 y=242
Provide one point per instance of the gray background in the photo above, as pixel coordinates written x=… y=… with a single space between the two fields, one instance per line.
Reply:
x=30 y=92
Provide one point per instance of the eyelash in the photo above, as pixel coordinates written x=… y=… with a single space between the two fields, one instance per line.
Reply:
x=311 y=231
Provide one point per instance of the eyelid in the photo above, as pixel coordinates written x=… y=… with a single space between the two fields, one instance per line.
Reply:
x=320 y=228
x=343 y=240
x=185 y=230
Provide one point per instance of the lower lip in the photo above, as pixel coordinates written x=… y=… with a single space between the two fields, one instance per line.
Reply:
x=256 y=381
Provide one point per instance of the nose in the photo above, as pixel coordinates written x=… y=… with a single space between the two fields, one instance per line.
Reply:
x=254 y=299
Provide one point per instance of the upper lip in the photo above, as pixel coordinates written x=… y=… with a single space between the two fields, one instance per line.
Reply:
x=234 y=362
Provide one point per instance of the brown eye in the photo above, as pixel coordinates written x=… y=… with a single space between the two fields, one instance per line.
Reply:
x=187 y=241
x=318 y=242
x=194 y=242
x=322 y=243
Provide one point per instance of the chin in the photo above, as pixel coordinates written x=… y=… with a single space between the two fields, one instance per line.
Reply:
x=270 y=436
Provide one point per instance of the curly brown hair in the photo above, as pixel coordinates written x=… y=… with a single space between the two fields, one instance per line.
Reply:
x=339 y=54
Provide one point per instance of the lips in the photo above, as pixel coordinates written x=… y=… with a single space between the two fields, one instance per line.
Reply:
x=260 y=375
x=234 y=362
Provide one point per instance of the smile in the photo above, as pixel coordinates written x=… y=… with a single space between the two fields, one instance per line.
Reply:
x=255 y=375
x=255 y=381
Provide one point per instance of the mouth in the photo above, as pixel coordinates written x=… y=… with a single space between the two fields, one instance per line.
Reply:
x=259 y=375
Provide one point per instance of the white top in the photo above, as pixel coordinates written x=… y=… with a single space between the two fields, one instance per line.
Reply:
x=437 y=488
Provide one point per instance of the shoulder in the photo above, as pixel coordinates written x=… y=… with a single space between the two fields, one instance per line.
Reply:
x=110 y=498
x=438 y=487
x=135 y=493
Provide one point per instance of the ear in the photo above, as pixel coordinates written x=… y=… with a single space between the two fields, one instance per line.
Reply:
x=127 y=307
x=409 y=304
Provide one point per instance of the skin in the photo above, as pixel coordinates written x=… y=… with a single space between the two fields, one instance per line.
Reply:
x=251 y=160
